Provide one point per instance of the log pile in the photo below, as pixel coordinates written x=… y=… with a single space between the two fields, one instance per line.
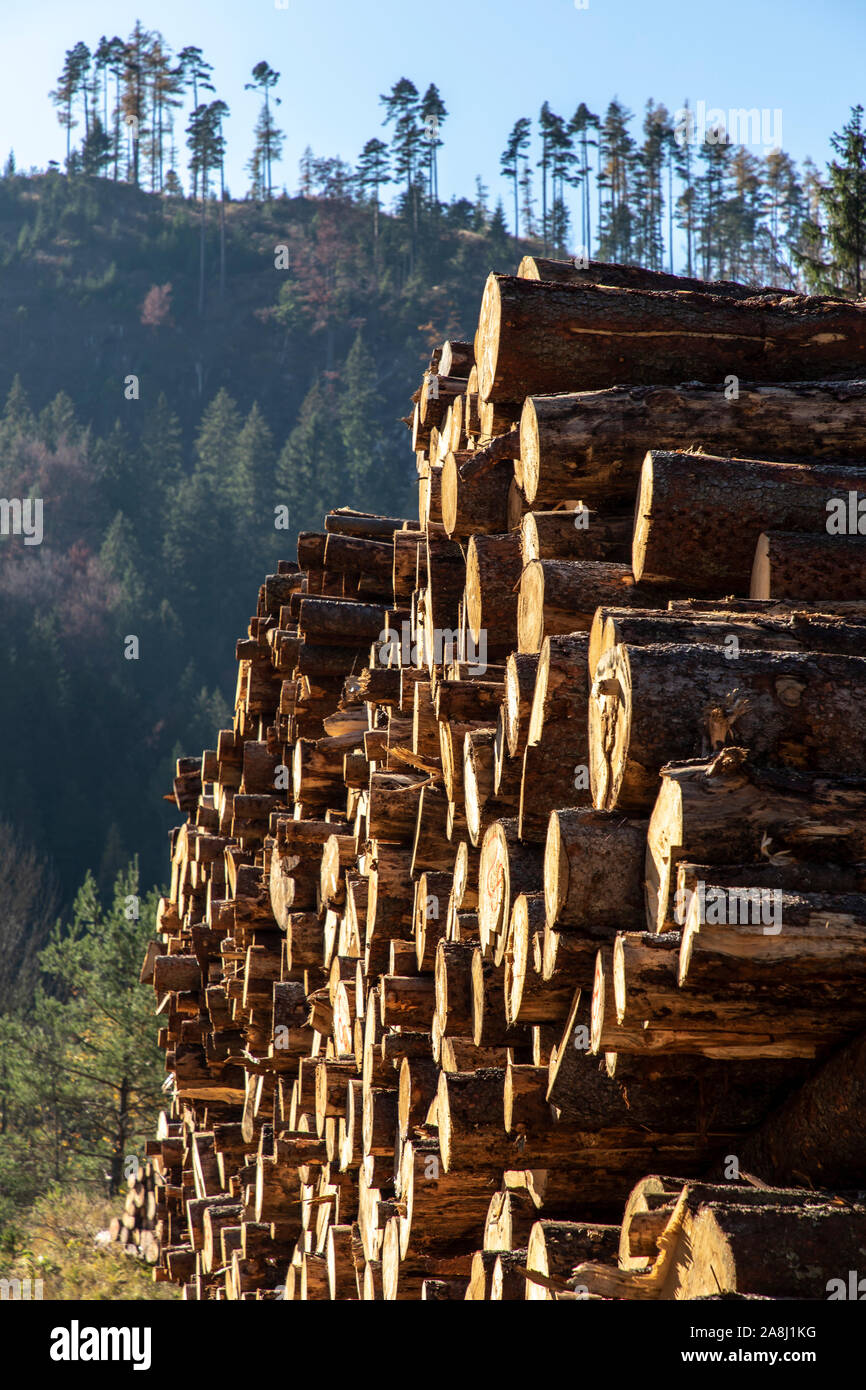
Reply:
x=534 y=861
x=136 y=1228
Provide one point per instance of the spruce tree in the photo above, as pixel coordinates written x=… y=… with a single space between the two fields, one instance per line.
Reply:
x=432 y=112
x=509 y=164
x=845 y=204
x=268 y=139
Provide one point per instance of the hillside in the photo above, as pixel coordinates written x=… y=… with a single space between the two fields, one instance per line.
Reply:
x=285 y=390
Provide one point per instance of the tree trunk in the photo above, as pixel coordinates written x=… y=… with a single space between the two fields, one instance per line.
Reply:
x=654 y=705
x=728 y=811
x=698 y=518
x=561 y=596
x=591 y=444
x=808 y=568
x=540 y=337
x=632 y=277
x=492 y=575
x=790 y=631
x=576 y=534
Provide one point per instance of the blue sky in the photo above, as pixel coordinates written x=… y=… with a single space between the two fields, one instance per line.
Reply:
x=492 y=63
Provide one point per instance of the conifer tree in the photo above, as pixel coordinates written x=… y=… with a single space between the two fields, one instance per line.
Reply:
x=432 y=112
x=845 y=204
x=268 y=140
x=582 y=122
x=372 y=174
x=509 y=164
x=616 y=156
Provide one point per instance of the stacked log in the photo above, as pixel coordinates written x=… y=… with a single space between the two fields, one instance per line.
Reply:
x=135 y=1230
x=534 y=860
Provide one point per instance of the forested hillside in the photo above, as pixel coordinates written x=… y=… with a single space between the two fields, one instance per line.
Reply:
x=149 y=428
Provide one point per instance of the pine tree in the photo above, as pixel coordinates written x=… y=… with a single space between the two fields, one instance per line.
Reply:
x=741 y=217
x=809 y=250
x=254 y=468
x=166 y=85
x=582 y=122
x=616 y=158
x=372 y=174
x=509 y=164
x=784 y=210
x=134 y=104
x=109 y=1064
x=268 y=140
x=207 y=152
x=104 y=57
x=562 y=161
x=64 y=93
x=710 y=189
x=545 y=123
x=358 y=430
x=115 y=62
x=202 y=517
x=159 y=464
x=402 y=111
x=18 y=420
x=194 y=75
x=684 y=164
x=480 y=211
x=311 y=467
x=306 y=165
x=649 y=187
x=432 y=112
x=96 y=149
x=845 y=204
x=527 y=201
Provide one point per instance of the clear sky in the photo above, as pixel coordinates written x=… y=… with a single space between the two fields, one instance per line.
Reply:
x=491 y=62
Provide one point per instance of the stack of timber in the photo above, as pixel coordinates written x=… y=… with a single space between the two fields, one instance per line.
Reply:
x=533 y=865
x=136 y=1229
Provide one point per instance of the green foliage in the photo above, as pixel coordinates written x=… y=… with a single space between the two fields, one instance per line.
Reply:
x=55 y=1241
x=80 y=1072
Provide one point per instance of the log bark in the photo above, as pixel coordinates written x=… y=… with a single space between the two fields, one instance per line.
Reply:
x=555 y=773
x=506 y=868
x=749 y=940
x=561 y=596
x=577 y=533
x=368 y=525
x=343 y=622
x=729 y=811
x=591 y=444
x=492 y=573
x=808 y=568
x=555 y=1247
x=632 y=277
x=654 y=705
x=475 y=504
x=818 y=1134
x=780 y=1252
x=593 y=869
x=698 y=517
x=538 y=336
x=373 y=559
x=789 y=631
x=457 y=358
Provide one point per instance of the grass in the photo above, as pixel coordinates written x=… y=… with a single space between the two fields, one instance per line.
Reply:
x=55 y=1241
